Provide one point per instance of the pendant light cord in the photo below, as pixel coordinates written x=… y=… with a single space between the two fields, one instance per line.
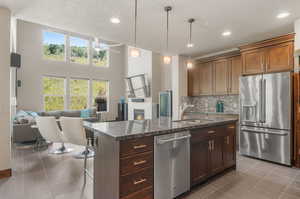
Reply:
x=167 y=30
x=135 y=22
x=190 y=32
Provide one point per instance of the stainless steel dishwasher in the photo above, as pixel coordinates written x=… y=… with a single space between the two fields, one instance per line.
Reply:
x=171 y=165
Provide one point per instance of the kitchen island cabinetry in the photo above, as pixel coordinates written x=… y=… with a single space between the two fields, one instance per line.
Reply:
x=125 y=154
x=212 y=151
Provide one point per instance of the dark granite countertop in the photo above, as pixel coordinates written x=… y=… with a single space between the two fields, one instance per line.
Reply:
x=139 y=128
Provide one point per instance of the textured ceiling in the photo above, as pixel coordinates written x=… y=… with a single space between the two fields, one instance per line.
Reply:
x=249 y=20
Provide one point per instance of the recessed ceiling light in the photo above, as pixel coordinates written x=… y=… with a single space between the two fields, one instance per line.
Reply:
x=226 y=33
x=115 y=20
x=283 y=15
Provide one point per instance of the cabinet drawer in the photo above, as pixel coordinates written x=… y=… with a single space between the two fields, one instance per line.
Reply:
x=200 y=134
x=136 y=182
x=135 y=146
x=134 y=163
x=146 y=193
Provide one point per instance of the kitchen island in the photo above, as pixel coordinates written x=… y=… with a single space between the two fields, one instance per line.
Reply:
x=124 y=161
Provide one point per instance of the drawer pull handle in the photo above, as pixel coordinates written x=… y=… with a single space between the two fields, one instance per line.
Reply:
x=211 y=132
x=139 y=181
x=231 y=127
x=139 y=162
x=140 y=146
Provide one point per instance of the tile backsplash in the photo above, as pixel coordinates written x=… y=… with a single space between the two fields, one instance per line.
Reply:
x=208 y=103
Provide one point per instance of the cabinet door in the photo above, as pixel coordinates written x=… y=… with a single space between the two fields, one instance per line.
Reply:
x=280 y=57
x=206 y=78
x=199 y=161
x=221 y=77
x=253 y=62
x=234 y=74
x=194 y=81
x=229 y=154
x=216 y=155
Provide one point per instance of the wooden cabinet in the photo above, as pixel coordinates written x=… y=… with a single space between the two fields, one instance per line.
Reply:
x=235 y=72
x=205 y=72
x=280 y=57
x=221 y=77
x=253 y=62
x=273 y=55
x=194 y=81
x=212 y=151
x=229 y=149
x=199 y=159
x=136 y=168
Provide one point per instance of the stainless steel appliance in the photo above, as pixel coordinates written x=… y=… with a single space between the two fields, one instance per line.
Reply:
x=265 y=119
x=171 y=165
x=165 y=103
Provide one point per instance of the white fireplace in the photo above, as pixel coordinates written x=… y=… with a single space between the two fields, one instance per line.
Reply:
x=149 y=110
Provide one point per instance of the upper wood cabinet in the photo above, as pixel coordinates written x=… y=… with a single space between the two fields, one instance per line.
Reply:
x=205 y=72
x=235 y=71
x=194 y=81
x=273 y=55
x=253 y=62
x=221 y=77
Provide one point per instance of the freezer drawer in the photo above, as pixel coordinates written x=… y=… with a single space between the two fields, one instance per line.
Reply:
x=267 y=144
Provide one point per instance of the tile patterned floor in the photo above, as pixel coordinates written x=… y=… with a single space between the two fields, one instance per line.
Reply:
x=37 y=175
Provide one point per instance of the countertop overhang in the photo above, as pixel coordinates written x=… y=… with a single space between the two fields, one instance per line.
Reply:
x=123 y=130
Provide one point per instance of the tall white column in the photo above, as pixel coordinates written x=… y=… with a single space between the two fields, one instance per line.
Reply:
x=5 y=154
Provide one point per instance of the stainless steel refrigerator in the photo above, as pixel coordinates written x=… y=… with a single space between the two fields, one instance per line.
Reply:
x=265 y=117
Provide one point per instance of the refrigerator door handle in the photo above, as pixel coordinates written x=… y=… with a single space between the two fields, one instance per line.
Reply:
x=264 y=131
x=264 y=101
x=260 y=100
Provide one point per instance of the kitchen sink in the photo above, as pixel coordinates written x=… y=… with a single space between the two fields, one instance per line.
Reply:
x=192 y=121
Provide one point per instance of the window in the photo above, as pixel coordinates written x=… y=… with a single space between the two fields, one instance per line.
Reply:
x=53 y=46
x=100 y=92
x=100 y=54
x=79 y=50
x=78 y=94
x=54 y=93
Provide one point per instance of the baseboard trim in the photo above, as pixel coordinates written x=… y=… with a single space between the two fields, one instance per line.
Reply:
x=5 y=173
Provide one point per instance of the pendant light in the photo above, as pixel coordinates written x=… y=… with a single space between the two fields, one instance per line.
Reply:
x=190 y=43
x=167 y=59
x=190 y=64
x=134 y=51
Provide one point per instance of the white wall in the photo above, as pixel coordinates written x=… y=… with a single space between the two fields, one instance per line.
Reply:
x=297 y=31
x=179 y=82
x=5 y=161
x=29 y=45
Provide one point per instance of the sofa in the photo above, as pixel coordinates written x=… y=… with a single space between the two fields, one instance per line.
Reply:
x=23 y=133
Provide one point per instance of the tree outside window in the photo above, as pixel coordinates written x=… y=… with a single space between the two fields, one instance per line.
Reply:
x=54 y=93
x=79 y=50
x=100 y=55
x=78 y=94
x=54 y=46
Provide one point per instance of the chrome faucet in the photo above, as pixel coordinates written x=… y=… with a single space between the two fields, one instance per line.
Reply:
x=183 y=109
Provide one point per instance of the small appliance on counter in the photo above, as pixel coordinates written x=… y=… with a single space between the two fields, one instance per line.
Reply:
x=165 y=103
x=122 y=110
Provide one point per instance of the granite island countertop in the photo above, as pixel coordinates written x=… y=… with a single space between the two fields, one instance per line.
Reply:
x=123 y=130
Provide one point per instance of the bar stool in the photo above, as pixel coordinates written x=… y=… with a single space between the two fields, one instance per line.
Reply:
x=50 y=131
x=75 y=134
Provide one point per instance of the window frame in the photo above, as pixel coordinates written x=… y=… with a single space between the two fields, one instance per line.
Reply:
x=88 y=105
x=92 y=54
x=107 y=93
x=64 y=95
x=88 y=50
x=65 y=48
